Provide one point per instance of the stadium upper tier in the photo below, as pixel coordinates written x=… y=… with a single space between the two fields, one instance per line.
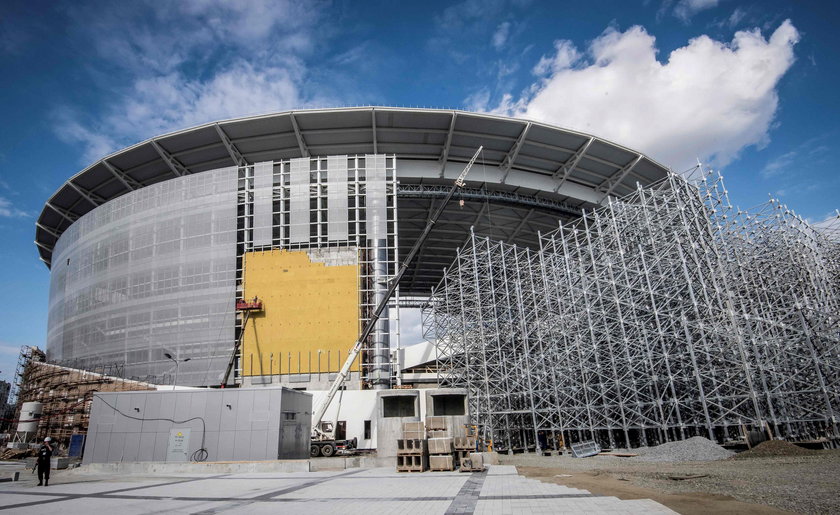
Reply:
x=529 y=176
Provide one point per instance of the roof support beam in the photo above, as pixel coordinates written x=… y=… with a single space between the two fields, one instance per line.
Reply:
x=484 y=207
x=70 y=217
x=47 y=230
x=236 y=156
x=569 y=166
x=121 y=176
x=444 y=156
x=177 y=168
x=511 y=156
x=519 y=227
x=48 y=249
x=93 y=198
x=373 y=125
x=302 y=144
x=610 y=184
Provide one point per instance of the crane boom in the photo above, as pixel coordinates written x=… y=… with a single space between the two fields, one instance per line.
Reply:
x=357 y=347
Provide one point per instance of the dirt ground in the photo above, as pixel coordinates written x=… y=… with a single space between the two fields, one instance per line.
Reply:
x=752 y=485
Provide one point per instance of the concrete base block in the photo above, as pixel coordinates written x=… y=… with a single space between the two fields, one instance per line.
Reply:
x=411 y=446
x=59 y=463
x=415 y=463
x=441 y=463
x=213 y=467
x=440 y=445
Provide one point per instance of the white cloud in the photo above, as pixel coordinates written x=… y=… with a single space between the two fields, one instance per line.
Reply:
x=195 y=62
x=709 y=100
x=501 y=35
x=8 y=210
x=685 y=9
x=69 y=129
x=736 y=17
x=779 y=165
x=565 y=55
x=809 y=155
x=478 y=101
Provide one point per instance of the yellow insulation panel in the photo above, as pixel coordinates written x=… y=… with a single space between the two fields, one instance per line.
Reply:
x=310 y=317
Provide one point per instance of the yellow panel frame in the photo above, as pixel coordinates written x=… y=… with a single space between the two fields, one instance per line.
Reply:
x=310 y=317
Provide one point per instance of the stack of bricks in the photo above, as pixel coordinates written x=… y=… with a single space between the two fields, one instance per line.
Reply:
x=412 y=455
x=464 y=445
x=474 y=462
x=440 y=444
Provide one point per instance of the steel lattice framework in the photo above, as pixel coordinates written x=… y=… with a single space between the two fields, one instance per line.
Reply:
x=662 y=315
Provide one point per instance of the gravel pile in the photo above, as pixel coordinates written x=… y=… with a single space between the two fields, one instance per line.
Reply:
x=696 y=448
x=772 y=448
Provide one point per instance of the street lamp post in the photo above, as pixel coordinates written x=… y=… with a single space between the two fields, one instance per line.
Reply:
x=169 y=356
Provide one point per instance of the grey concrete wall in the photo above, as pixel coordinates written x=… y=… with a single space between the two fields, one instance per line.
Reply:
x=389 y=429
x=455 y=423
x=237 y=424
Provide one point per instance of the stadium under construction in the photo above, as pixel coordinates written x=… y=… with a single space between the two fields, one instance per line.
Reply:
x=593 y=293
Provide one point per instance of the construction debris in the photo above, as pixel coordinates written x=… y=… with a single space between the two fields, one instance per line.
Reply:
x=693 y=449
x=585 y=449
x=684 y=478
x=16 y=454
x=773 y=448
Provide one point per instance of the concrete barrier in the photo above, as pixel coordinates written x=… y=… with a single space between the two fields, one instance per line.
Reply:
x=234 y=467
x=210 y=467
x=490 y=458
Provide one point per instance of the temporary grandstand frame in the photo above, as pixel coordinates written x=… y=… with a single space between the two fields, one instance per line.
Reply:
x=662 y=315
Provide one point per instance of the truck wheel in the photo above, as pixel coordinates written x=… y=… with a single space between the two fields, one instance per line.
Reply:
x=327 y=450
x=314 y=451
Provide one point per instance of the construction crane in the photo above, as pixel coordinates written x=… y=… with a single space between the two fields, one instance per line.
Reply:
x=246 y=307
x=323 y=435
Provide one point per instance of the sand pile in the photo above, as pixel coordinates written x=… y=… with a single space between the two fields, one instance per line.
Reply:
x=772 y=448
x=696 y=448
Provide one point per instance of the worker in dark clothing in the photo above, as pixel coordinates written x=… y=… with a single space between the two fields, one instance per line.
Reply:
x=43 y=463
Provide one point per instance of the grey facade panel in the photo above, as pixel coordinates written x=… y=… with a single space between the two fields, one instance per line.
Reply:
x=240 y=438
x=263 y=204
x=149 y=273
x=337 y=198
x=299 y=200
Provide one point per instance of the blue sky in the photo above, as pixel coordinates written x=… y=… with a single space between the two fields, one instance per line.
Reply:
x=748 y=87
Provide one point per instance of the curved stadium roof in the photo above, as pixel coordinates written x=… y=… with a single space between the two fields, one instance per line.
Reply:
x=538 y=172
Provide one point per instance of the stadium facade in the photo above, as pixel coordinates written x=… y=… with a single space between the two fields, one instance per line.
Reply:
x=150 y=247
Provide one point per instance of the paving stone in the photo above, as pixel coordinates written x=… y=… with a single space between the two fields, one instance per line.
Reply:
x=498 y=490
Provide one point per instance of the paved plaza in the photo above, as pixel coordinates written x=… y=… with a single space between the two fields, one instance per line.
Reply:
x=498 y=490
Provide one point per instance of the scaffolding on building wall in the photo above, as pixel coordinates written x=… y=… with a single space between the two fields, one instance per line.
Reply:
x=662 y=315
x=66 y=394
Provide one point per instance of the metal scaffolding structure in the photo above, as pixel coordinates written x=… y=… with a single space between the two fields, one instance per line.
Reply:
x=659 y=316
